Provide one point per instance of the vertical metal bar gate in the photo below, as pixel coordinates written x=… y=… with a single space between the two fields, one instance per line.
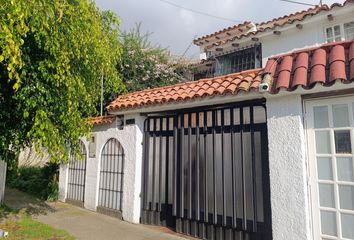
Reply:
x=205 y=172
x=76 y=178
x=111 y=179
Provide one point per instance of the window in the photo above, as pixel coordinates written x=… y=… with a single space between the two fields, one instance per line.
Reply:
x=333 y=34
x=331 y=139
x=349 y=30
x=238 y=61
x=340 y=32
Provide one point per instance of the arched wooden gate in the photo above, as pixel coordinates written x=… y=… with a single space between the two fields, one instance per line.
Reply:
x=111 y=179
x=76 y=178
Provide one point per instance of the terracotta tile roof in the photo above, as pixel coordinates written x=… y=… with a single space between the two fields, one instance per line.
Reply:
x=239 y=27
x=269 y=25
x=307 y=67
x=321 y=65
x=228 y=84
x=101 y=120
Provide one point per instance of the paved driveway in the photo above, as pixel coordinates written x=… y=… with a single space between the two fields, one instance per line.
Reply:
x=84 y=224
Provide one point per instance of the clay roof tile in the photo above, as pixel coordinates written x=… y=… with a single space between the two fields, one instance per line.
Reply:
x=303 y=68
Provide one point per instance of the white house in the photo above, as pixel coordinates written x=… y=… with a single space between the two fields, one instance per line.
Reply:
x=262 y=149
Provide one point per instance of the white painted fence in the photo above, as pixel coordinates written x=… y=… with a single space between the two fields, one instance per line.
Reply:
x=2 y=179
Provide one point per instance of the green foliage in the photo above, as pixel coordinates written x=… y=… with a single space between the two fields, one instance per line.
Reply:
x=145 y=66
x=41 y=182
x=52 y=56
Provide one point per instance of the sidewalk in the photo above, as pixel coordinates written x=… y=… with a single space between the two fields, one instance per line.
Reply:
x=84 y=224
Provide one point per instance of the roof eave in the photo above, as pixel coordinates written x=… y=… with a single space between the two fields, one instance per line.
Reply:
x=318 y=88
x=198 y=102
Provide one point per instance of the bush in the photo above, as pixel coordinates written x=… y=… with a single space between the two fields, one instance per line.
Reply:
x=41 y=182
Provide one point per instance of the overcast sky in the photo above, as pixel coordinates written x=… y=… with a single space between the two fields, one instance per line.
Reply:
x=175 y=28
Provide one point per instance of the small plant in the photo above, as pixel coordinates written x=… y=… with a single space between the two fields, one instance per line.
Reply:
x=41 y=182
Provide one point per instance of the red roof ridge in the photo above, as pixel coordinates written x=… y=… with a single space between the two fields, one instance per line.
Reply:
x=245 y=23
x=308 y=12
x=293 y=14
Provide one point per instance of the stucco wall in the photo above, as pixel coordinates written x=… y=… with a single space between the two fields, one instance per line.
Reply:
x=2 y=179
x=312 y=34
x=287 y=164
x=131 y=140
x=290 y=40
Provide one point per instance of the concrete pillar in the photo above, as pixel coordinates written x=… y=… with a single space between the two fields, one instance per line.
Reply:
x=287 y=164
x=93 y=172
x=63 y=181
x=133 y=171
x=3 y=167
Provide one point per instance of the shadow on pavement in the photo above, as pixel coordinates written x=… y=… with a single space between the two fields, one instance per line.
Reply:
x=23 y=202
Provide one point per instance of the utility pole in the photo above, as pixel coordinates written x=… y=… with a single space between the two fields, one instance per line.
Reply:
x=102 y=94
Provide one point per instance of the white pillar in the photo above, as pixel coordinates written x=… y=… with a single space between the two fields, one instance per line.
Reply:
x=63 y=181
x=3 y=167
x=133 y=170
x=92 y=173
x=287 y=166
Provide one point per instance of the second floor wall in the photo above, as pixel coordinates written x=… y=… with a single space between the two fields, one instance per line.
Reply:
x=326 y=26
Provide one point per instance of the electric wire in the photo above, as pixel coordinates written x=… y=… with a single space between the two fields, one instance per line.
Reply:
x=300 y=3
x=200 y=12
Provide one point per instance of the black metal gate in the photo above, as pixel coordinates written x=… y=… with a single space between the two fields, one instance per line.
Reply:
x=205 y=172
x=111 y=179
x=76 y=178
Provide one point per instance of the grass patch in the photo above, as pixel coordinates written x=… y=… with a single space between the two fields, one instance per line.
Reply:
x=22 y=226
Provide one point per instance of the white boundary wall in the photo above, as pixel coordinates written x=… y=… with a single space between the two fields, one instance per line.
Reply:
x=288 y=169
x=131 y=138
x=3 y=166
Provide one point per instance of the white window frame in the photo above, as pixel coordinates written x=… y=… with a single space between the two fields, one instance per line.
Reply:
x=312 y=161
x=344 y=29
x=341 y=27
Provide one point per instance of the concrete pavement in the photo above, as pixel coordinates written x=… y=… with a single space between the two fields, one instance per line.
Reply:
x=84 y=224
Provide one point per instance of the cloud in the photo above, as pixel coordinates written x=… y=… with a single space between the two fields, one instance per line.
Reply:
x=175 y=28
x=187 y=17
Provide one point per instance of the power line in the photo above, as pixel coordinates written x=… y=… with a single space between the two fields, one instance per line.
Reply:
x=189 y=46
x=200 y=12
x=301 y=3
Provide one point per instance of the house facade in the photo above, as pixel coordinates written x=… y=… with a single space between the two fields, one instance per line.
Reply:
x=249 y=45
x=260 y=149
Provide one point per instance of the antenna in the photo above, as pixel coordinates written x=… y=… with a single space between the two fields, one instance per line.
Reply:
x=189 y=46
x=301 y=3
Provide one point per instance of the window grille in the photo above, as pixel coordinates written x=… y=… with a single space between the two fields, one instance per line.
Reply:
x=239 y=61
